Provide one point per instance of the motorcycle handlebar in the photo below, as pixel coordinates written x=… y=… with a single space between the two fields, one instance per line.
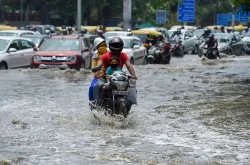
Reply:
x=96 y=69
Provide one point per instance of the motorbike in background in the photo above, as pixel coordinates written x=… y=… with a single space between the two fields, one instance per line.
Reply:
x=177 y=48
x=158 y=54
x=210 y=53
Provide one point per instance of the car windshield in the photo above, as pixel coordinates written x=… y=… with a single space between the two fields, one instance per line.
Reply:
x=9 y=34
x=127 y=42
x=60 y=44
x=3 y=44
x=36 y=41
x=143 y=37
x=198 y=33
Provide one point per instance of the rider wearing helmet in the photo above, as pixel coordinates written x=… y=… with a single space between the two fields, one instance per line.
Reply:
x=177 y=34
x=64 y=31
x=47 y=32
x=222 y=29
x=229 y=30
x=245 y=33
x=116 y=46
x=212 y=43
x=100 y=34
x=100 y=47
x=70 y=31
x=206 y=33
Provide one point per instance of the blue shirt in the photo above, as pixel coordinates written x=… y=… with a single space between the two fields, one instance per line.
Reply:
x=109 y=70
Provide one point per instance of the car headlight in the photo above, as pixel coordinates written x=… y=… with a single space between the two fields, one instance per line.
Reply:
x=71 y=58
x=37 y=58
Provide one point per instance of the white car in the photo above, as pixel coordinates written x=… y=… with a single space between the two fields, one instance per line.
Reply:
x=134 y=49
x=15 y=52
x=16 y=33
x=117 y=34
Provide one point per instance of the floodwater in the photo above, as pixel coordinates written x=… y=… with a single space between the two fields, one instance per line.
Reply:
x=191 y=111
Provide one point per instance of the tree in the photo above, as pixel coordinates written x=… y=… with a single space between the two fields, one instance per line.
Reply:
x=245 y=4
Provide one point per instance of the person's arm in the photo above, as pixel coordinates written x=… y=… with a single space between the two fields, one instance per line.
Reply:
x=98 y=66
x=216 y=44
x=130 y=69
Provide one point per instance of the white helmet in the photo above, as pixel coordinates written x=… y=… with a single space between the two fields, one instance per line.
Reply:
x=97 y=41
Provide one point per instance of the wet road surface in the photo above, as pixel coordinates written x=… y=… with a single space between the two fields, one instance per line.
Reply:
x=192 y=111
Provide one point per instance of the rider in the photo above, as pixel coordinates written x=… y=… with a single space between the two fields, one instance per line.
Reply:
x=100 y=49
x=212 y=44
x=206 y=33
x=115 y=45
x=222 y=29
x=230 y=30
x=245 y=33
x=176 y=34
x=35 y=30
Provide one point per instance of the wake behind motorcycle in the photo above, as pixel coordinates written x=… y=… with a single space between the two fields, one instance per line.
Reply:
x=120 y=95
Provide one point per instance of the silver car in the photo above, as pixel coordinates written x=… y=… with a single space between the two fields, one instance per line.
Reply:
x=134 y=49
x=16 y=33
x=15 y=52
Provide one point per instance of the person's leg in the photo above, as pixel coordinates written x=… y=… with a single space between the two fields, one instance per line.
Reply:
x=97 y=89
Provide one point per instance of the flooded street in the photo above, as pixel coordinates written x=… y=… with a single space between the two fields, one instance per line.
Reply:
x=189 y=112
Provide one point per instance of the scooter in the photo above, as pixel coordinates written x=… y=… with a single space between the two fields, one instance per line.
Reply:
x=158 y=55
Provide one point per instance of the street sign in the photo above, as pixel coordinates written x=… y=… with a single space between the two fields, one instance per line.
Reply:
x=243 y=16
x=161 y=17
x=186 y=10
x=236 y=17
x=222 y=19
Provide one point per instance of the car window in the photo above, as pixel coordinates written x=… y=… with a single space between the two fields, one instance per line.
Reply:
x=29 y=33
x=191 y=34
x=15 y=44
x=22 y=34
x=25 y=45
x=136 y=42
x=83 y=44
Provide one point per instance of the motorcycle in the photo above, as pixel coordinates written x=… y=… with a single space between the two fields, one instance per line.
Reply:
x=117 y=100
x=177 y=48
x=157 y=54
x=210 y=53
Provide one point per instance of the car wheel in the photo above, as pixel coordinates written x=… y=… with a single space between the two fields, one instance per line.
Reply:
x=3 y=66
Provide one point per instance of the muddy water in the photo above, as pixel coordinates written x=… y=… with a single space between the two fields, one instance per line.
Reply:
x=192 y=111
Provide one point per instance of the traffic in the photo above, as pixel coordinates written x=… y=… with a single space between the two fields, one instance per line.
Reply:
x=124 y=82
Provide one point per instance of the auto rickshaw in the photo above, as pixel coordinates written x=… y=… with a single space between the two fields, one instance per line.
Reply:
x=5 y=27
x=146 y=36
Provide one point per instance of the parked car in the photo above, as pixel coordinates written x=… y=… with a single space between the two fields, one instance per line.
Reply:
x=15 y=52
x=117 y=33
x=189 y=41
x=134 y=49
x=36 y=39
x=16 y=33
x=230 y=44
x=63 y=52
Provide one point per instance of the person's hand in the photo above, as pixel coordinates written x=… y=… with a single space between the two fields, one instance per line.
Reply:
x=135 y=78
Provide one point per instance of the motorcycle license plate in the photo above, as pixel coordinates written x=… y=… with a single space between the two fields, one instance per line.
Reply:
x=120 y=93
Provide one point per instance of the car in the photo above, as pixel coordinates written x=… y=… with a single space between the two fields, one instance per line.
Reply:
x=189 y=40
x=175 y=27
x=40 y=28
x=36 y=39
x=63 y=52
x=16 y=33
x=134 y=49
x=91 y=38
x=117 y=34
x=230 y=44
x=199 y=32
x=246 y=40
x=15 y=52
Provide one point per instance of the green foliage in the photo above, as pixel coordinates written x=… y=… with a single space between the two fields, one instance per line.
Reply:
x=244 y=3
